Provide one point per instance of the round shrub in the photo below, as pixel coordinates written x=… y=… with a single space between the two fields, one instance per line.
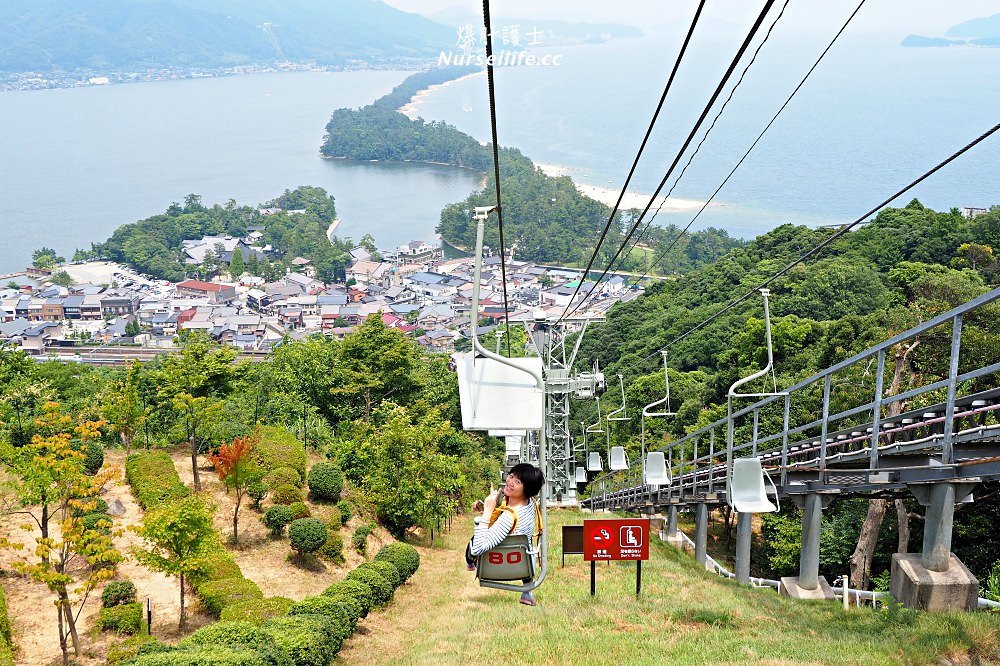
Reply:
x=345 y=511
x=403 y=555
x=306 y=535
x=299 y=510
x=100 y=522
x=218 y=594
x=279 y=448
x=381 y=588
x=329 y=608
x=257 y=611
x=257 y=490
x=333 y=549
x=310 y=640
x=387 y=569
x=228 y=634
x=286 y=494
x=92 y=504
x=276 y=517
x=283 y=476
x=93 y=455
x=117 y=593
x=356 y=589
x=125 y=619
x=350 y=606
x=326 y=481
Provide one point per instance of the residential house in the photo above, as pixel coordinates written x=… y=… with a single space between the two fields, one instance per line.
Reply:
x=213 y=291
x=119 y=302
x=73 y=307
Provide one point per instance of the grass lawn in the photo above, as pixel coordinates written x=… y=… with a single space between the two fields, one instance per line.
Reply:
x=684 y=616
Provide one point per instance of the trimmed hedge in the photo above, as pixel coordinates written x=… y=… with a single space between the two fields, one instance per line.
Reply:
x=387 y=569
x=228 y=634
x=276 y=517
x=207 y=655
x=257 y=611
x=216 y=595
x=129 y=648
x=279 y=448
x=281 y=477
x=299 y=510
x=345 y=511
x=307 y=535
x=153 y=478
x=381 y=588
x=326 y=481
x=310 y=640
x=118 y=593
x=216 y=565
x=125 y=619
x=333 y=549
x=356 y=589
x=350 y=606
x=328 y=607
x=403 y=555
x=98 y=522
x=286 y=494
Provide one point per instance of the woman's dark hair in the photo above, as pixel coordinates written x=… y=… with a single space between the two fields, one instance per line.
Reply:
x=530 y=477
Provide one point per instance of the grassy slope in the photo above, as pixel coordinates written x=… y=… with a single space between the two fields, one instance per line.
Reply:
x=684 y=616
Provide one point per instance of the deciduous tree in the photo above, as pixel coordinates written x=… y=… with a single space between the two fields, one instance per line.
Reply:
x=238 y=468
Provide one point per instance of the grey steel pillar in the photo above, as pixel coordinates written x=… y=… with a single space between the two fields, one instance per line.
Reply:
x=672 y=521
x=812 y=510
x=701 y=533
x=937 y=528
x=743 y=533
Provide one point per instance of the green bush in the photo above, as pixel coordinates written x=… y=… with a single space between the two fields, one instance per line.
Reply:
x=356 y=589
x=286 y=494
x=299 y=510
x=125 y=619
x=257 y=611
x=228 y=634
x=153 y=478
x=360 y=538
x=208 y=655
x=387 y=569
x=216 y=565
x=257 y=490
x=218 y=594
x=307 y=535
x=350 y=606
x=381 y=588
x=403 y=555
x=93 y=455
x=276 y=517
x=333 y=549
x=329 y=608
x=100 y=522
x=6 y=655
x=4 y=620
x=310 y=640
x=91 y=505
x=117 y=593
x=345 y=511
x=279 y=448
x=127 y=649
x=326 y=481
x=335 y=522
x=283 y=476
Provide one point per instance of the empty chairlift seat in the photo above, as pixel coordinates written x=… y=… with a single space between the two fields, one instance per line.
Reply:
x=513 y=559
x=618 y=461
x=656 y=473
x=748 y=494
x=581 y=475
x=594 y=462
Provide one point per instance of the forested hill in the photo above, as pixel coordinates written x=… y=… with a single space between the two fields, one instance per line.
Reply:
x=546 y=219
x=134 y=35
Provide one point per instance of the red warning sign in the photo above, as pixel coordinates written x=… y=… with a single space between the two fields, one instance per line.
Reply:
x=626 y=539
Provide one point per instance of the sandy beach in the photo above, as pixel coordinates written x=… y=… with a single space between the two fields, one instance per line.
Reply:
x=333 y=228
x=608 y=195
x=410 y=109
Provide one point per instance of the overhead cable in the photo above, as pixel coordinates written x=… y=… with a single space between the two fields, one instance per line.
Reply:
x=642 y=146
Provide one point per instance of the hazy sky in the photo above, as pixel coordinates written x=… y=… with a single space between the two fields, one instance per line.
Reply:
x=931 y=17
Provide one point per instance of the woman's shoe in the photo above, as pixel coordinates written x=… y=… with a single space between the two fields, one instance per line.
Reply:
x=528 y=599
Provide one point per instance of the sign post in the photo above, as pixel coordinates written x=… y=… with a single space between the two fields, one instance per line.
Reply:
x=620 y=539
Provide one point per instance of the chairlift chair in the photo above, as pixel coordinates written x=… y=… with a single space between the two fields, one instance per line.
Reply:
x=617 y=460
x=747 y=491
x=513 y=559
x=654 y=467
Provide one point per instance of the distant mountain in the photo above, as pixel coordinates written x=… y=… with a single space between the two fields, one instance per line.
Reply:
x=976 y=32
x=132 y=35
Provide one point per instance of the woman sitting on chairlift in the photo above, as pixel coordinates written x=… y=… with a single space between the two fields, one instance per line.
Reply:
x=524 y=481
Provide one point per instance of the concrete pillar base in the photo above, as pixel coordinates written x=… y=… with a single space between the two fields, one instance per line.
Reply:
x=789 y=587
x=917 y=587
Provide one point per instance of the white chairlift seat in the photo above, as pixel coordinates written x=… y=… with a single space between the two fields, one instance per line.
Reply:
x=495 y=396
x=747 y=492
x=513 y=559
x=581 y=475
x=594 y=462
x=656 y=473
x=618 y=461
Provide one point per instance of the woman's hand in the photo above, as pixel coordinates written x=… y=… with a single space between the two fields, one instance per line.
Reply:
x=490 y=502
